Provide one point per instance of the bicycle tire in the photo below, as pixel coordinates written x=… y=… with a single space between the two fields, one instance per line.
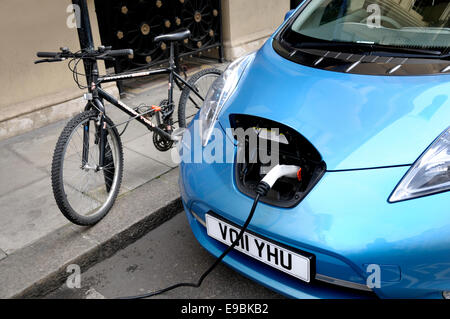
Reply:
x=187 y=94
x=57 y=175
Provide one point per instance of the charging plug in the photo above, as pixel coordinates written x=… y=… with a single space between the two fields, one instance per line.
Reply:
x=275 y=174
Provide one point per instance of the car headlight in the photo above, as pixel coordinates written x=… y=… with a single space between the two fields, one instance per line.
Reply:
x=219 y=93
x=430 y=174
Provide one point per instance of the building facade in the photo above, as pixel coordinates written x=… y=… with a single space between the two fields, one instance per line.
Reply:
x=35 y=95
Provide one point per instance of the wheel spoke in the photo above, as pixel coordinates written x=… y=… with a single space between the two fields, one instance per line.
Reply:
x=83 y=189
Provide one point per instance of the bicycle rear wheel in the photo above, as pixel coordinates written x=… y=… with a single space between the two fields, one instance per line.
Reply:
x=190 y=103
x=84 y=191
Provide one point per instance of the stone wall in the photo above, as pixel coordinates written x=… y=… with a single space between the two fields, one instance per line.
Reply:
x=248 y=23
x=35 y=95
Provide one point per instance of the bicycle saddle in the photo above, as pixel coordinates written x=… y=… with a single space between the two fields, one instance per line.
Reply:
x=172 y=37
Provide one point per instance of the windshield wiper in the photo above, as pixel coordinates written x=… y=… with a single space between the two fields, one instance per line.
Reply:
x=375 y=49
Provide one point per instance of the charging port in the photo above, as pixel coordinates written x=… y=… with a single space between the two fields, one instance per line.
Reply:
x=262 y=144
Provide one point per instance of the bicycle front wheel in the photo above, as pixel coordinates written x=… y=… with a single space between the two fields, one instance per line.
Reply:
x=190 y=103
x=84 y=191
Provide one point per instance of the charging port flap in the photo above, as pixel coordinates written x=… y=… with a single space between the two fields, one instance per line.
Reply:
x=263 y=144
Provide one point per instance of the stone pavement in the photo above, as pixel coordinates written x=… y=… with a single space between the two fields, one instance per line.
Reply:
x=28 y=212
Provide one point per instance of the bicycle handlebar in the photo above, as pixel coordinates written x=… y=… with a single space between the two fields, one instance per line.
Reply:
x=117 y=53
x=46 y=54
x=101 y=54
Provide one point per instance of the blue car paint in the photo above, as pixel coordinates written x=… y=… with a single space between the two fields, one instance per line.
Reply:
x=289 y=14
x=355 y=121
x=345 y=221
x=269 y=277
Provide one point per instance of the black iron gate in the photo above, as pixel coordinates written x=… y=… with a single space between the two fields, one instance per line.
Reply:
x=295 y=3
x=133 y=24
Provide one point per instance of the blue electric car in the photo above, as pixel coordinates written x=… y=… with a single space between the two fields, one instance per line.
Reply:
x=356 y=94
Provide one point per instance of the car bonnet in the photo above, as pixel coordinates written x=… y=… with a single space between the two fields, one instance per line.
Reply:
x=354 y=121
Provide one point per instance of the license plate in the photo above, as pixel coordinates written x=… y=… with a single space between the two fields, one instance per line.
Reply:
x=261 y=249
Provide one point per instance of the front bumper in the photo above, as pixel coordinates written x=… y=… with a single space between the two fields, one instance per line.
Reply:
x=346 y=222
x=267 y=276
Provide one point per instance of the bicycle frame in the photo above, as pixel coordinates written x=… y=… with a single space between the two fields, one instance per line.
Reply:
x=98 y=94
x=174 y=78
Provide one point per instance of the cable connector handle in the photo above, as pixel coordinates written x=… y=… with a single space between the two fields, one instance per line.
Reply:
x=262 y=189
x=281 y=171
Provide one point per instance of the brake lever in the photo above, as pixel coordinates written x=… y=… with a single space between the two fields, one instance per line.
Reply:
x=49 y=60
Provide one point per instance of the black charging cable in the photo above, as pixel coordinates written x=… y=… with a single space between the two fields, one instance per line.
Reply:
x=261 y=191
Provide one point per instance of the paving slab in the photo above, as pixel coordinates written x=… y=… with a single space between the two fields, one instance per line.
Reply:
x=27 y=215
x=37 y=147
x=16 y=172
x=146 y=199
x=39 y=268
x=29 y=268
x=144 y=146
x=139 y=169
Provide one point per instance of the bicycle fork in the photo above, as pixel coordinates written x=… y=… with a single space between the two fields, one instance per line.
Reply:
x=101 y=125
x=100 y=138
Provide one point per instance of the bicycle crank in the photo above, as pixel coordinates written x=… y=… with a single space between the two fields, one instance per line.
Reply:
x=161 y=143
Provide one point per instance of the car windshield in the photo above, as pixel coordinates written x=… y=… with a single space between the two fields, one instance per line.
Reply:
x=421 y=24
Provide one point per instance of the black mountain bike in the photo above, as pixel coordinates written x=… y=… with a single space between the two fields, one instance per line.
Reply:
x=88 y=163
